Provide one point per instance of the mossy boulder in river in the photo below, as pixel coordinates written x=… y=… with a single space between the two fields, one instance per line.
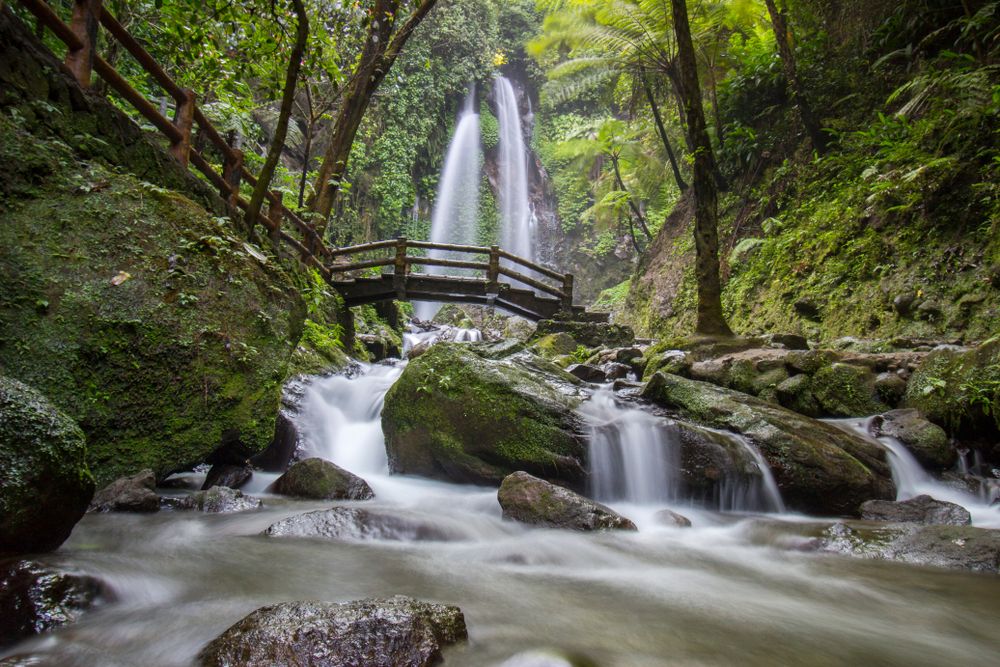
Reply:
x=457 y=415
x=44 y=481
x=527 y=499
x=818 y=467
x=321 y=480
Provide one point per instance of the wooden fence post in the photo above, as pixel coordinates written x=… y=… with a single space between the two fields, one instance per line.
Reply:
x=493 y=272
x=86 y=14
x=276 y=214
x=232 y=174
x=184 y=120
x=567 y=288
x=399 y=269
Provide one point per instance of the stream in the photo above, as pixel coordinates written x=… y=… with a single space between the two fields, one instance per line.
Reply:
x=728 y=586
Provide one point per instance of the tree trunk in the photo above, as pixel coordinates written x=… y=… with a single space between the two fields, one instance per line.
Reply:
x=637 y=214
x=819 y=140
x=681 y=185
x=711 y=321
x=379 y=54
x=281 y=130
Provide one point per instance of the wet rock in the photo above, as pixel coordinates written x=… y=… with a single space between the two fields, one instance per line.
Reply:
x=355 y=523
x=35 y=598
x=128 y=494
x=954 y=547
x=669 y=518
x=927 y=441
x=587 y=373
x=419 y=349
x=456 y=415
x=846 y=390
x=787 y=341
x=555 y=344
x=547 y=658
x=626 y=355
x=45 y=483
x=519 y=329
x=616 y=371
x=389 y=632
x=922 y=509
x=379 y=347
x=216 y=500
x=890 y=387
x=590 y=334
x=818 y=467
x=321 y=480
x=795 y=393
x=676 y=362
x=232 y=476
x=528 y=499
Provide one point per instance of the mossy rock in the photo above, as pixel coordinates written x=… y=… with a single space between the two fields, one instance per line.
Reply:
x=818 y=467
x=459 y=416
x=959 y=389
x=555 y=345
x=46 y=485
x=320 y=479
x=527 y=499
x=845 y=390
x=795 y=393
x=591 y=334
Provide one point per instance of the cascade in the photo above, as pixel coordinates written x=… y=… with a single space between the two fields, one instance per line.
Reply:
x=517 y=221
x=456 y=207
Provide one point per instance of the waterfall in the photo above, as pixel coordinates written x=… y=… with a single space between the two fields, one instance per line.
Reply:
x=753 y=492
x=456 y=207
x=517 y=221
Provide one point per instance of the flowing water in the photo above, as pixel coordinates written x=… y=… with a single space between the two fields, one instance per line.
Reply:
x=726 y=591
x=456 y=207
x=517 y=221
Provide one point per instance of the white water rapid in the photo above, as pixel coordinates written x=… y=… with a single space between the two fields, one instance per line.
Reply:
x=912 y=480
x=456 y=207
x=517 y=221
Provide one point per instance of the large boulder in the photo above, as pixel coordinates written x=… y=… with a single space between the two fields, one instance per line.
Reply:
x=35 y=598
x=229 y=475
x=527 y=499
x=356 y=523
x=818 y=467
x=44 y=481
x=922 y=509
x=320 y=479
x=927 y=441
x=455 y=414
x=392 y=632
x=136 y=493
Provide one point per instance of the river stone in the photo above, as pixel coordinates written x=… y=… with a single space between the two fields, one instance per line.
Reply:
x=224 y=474
x=819 y=468
x=795 y=393
x=35 y=598
x=547 y=658
x=670 y=518
x=390 y=632
x=846 y=390
x=928 y=442
x=591 y=334
x=615 y=371
x=587 y=373
x=44 y=481
x=217 y=500
x=954 y=547
x=128 y=494
x=527 y=499
x=456 y=415
x=320 y=479
x=921 y=509
x=353 y=523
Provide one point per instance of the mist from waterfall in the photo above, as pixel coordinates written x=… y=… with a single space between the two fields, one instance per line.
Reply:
x=456 y=207
x=517 y=220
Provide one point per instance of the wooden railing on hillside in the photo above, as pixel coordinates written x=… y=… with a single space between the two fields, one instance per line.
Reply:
x=80 y=38
x=491 y=268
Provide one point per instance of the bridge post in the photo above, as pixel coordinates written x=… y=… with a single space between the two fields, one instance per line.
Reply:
x=86 y=14
x=184 y=120
x=399 y=269
x=276 y=214
x=232 y=174
x=493 y=272
x=567 y=297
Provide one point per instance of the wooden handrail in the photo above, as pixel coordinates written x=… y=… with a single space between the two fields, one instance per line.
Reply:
x=555 y=275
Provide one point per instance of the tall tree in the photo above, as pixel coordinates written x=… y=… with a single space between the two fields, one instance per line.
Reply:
x=277 y=144
x=780 y=24
x=711 y=321
x=678 y=179
x=383 y=45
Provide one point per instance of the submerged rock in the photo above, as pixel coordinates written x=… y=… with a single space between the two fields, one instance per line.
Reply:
x=128 y=494
x=547 y=658
x=217 y=500
x=224 y=474
x=670 y=518
x=587 y=373
x=457 y=415
x=391 y=632
x=527 y=499
x=354 y=523
x=922 y=509
x=928 y=442
x=818 y=467
x=320 y=479
x=35 y=598
x=45 y=483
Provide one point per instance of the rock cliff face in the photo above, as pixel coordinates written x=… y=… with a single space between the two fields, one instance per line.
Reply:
x=124 y=298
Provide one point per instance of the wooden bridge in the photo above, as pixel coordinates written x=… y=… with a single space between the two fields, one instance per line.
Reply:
x=532 y=296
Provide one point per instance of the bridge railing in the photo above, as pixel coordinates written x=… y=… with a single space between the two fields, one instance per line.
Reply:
x=80 y=38
x=492 y=267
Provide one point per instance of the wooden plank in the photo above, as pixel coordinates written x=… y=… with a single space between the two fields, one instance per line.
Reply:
x=204 y=167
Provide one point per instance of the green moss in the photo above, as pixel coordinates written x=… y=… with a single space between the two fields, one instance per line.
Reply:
x=843 y=390
x=959 y=389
